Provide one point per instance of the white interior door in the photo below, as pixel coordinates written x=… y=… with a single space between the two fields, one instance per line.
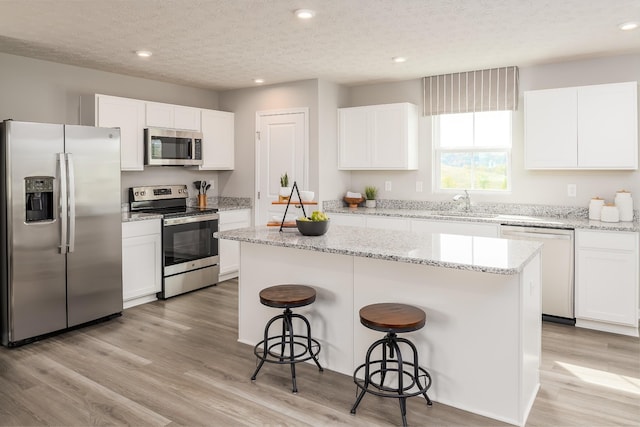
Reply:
x=281 y=146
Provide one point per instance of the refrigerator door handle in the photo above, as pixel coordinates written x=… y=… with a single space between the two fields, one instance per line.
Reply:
x=62 y=178
x=72 y=203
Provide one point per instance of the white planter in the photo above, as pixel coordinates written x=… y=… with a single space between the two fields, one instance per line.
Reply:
x=285 y=192
x=370 y=203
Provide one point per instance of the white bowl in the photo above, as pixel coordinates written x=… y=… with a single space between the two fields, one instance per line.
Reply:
x=307 y=196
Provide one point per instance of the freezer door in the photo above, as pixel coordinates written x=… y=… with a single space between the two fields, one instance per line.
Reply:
x=94 y=261
x=33 y=279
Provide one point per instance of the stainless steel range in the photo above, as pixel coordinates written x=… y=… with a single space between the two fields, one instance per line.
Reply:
x=189 y=248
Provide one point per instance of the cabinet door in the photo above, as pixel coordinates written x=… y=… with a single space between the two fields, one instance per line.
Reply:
x=218 y=151
x=394 y=136
x=128 y=115
x=141 y=260
x=550 y=129
x=388 y=223
x=348 y=219
x=455 y=227
x=229 y=250
x=159 y=115
x=607 y=277
x=353 y=138
x=608 y=126
x=187 y=118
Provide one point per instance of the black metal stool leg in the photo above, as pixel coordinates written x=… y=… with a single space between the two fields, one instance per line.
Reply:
x=416 y=372
x=315 y=359
x=289 y=327
x=265 y=348
x=393 y=344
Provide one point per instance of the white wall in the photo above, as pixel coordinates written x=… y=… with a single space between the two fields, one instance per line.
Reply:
x=543 y=187
x=331 y=181
x=245 y=103
x=41 y=91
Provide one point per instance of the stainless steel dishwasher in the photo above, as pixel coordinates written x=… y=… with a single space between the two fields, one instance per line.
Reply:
x=557 y=269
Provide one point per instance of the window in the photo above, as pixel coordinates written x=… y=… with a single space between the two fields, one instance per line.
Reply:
x=472 y=151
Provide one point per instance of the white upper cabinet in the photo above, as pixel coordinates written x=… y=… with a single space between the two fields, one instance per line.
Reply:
x=172 y=116
x=551 y=132
x=218 y=144
x=378 y=137
x=126 y=114
x=608 y=126
x=586 y=127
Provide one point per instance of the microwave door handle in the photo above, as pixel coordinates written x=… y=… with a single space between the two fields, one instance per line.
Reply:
x=72 y=203
x=62 y=179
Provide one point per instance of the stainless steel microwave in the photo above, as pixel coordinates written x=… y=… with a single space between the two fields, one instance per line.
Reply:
x=168 y=147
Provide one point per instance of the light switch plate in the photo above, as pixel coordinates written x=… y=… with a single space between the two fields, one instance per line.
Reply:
x=571 y=190
x=387 y=186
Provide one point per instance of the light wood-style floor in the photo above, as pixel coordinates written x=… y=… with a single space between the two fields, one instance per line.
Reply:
x=177 y=362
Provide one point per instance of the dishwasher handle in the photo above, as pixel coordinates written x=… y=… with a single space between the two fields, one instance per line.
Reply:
x=530 y=235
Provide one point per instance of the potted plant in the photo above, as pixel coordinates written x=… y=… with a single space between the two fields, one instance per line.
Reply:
x=285 y=190
x=370 y=193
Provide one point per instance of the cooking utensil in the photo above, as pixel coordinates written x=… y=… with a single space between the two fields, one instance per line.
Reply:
x=198 y=185
x=207 y=188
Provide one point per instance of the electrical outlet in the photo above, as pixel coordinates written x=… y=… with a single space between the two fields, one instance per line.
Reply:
x=387 y=186
x=571 y=190
x=418 y=186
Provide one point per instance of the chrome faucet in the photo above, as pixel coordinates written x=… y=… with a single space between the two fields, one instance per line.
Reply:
x=467 y=200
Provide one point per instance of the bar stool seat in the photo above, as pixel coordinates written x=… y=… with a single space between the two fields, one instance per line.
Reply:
x=412 y=380
x=287 y=347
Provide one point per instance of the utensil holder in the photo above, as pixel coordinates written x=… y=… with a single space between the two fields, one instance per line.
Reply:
x=202 y=200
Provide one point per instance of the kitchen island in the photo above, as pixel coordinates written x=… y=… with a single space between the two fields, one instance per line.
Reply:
x=481 y=296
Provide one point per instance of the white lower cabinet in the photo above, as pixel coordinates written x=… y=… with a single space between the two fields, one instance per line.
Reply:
x=607 y=281
x=388 y=223
x=347 y=219
x=229 y=250
x=456 y=227
x=141 y=261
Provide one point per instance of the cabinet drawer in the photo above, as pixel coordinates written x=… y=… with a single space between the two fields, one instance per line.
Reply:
x=241 y=215
x=140 y=228
x=607 y=240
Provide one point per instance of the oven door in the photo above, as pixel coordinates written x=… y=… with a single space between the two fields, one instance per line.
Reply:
x=188 y=243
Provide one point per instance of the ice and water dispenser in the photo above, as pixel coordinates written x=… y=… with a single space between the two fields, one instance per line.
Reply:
x=39 y=198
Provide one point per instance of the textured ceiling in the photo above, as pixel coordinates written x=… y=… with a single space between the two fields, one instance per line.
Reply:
x=225 y=44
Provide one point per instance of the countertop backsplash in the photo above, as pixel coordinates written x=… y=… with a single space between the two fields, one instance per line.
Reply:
x=480 y=207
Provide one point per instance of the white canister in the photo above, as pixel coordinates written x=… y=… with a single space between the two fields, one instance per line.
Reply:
x=595 y=206
x=624 y=203
x=609 y=213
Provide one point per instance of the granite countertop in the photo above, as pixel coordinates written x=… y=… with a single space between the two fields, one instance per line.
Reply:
x=482 y=254
x=139 y=216
x=561 y=222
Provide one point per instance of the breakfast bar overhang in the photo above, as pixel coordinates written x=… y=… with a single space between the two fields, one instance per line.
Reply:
x=481 y=296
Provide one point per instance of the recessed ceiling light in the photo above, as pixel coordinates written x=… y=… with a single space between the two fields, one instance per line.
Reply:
x=305 y=13
x=143 y=53
x=258 y=81
x=627 y=26
x=399 y=59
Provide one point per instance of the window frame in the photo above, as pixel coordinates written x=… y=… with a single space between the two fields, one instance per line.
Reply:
x=437 y=152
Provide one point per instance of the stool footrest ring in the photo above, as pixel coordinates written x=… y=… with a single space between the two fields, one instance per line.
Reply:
x=275 y=343
x=385 y=391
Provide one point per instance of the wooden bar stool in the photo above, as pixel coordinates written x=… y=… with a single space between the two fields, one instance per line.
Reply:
x=411 y=380
x=287 y=347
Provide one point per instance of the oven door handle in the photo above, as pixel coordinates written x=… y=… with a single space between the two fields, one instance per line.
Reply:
x=190 y=219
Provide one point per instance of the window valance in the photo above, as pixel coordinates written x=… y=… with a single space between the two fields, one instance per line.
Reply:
x=472 y=91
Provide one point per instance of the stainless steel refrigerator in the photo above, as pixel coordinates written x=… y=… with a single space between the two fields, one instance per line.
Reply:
x=61 y=235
